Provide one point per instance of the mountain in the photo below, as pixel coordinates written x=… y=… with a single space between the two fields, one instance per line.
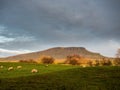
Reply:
x=57 y=53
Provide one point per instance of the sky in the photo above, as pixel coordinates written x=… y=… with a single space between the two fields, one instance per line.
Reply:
x=34 y=25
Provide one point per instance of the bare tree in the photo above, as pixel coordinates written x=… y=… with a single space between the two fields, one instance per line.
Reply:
x=117 y=59
x=118 y=53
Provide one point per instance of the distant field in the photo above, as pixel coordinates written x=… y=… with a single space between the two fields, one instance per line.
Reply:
x=59 y=77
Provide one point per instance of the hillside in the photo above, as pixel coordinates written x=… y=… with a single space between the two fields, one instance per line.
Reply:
x=57 y=53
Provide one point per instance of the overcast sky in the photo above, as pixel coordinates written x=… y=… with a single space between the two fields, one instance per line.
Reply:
x=33 y=25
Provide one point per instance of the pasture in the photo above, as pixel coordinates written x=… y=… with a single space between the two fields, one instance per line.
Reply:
x=27 y=67
x=58 y=77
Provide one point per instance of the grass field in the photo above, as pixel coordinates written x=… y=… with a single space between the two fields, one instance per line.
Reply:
x=59 y=77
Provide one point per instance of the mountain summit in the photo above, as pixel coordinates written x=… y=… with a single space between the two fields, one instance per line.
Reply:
x=58 y=53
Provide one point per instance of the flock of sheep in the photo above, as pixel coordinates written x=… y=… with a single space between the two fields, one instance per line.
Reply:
x=19 y=67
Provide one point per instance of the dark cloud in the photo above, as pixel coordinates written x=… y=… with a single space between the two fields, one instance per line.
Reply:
x=59 y=22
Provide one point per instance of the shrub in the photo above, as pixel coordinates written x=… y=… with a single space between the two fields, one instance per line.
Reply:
x=23 y=61
x=116 y=61
x=89 y=63
x=47 y=60
x=28 y=61
x=105 y=62
x=73 y=59
x=95 y=63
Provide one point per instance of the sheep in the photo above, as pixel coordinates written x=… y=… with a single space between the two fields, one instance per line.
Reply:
x=19 y=67
x=34 y=70
x=1 y=66
x=10 y=68
x=83 y=66
x=46 y=65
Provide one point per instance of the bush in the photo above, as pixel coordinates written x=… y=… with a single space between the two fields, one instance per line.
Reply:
x=74 y=62
x=116 y=61
x=105 y=62
x=47 y=60
x=89 y=63
x=73 y=59
x=28 y=61
x=95 y=63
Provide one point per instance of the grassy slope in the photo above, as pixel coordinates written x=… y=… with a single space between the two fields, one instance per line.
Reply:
x=64 y=78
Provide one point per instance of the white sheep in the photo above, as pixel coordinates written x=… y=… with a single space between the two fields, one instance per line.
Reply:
x=46 y=65
x=10 y=68
x=1 y=66
x=19 y=67
x=83 y=66
x=34 y=70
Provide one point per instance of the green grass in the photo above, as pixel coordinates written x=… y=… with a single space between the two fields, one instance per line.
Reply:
x=59 y=77
x=27 y=67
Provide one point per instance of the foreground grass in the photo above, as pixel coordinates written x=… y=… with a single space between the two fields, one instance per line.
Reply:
x=27 y=67
x=60 y=77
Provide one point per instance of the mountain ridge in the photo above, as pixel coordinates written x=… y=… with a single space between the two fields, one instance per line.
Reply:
x=57 y=53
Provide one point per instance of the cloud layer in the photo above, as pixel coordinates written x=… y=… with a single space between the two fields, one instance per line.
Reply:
x=5 y=52
x=40 y=24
